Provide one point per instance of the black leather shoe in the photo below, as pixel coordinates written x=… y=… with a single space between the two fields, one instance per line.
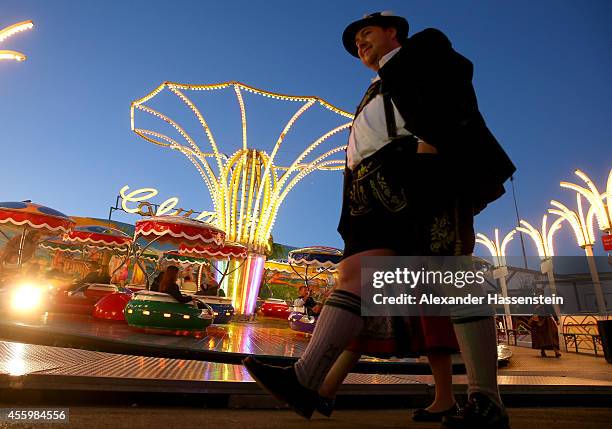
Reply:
x=479 y=412
x=423 y=415
x=325 y=406
x=282 y=383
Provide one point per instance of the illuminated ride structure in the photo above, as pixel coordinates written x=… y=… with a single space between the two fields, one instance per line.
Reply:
x=246 y=188
x=5 y=33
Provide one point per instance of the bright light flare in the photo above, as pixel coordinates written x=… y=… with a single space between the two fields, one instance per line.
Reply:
x=27 y=297
x=16 y=366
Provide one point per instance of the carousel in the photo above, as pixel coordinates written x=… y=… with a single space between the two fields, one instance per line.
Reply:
x=25 y=226
x=320 y=261
x=155 y=311
x=222 y=307
x=230 y=251
x=82 y=296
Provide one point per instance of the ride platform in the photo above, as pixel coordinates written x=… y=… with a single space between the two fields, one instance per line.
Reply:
x=33 y=371
x=269 y=339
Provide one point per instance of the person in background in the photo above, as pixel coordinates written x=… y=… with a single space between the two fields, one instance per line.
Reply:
x=98 y=274
x=210 y=286
x=189 y=285
x=544 y=333
x=156 y=282
x=312 y=308
x=169 y=286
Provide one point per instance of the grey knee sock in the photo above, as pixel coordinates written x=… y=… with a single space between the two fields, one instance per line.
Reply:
x=478 y=343
x=340 y=321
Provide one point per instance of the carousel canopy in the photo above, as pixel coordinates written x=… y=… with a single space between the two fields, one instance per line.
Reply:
x=60 y=246
x=230 y=250
x=34 y=216
x=175 y=256
x=284 y=267
x=316 y=256
x=180 y=230
x=98 y=236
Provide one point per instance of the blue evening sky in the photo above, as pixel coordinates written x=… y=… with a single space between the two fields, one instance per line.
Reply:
x=542 y=75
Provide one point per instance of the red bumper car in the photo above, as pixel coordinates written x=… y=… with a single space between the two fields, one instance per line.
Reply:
x=273 y=307
x=81 y=300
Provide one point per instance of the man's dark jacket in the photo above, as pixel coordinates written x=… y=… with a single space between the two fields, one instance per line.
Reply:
x=431 y=85
x=175 y=292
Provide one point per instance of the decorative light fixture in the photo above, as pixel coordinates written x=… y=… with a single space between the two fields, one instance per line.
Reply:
x=9 y=31
x=497 y=250
x=583 y=227
x=603 y=211
x=543 y=238
x=246 y=188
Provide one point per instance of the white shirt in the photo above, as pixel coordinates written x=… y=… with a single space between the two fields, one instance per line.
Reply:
x=369 y=129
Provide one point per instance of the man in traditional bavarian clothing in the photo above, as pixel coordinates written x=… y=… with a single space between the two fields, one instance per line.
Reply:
x=420 y=164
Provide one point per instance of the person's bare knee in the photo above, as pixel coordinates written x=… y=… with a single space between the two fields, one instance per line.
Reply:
x=350 y=270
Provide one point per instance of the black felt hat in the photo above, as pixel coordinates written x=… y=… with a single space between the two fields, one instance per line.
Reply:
x=381 y=19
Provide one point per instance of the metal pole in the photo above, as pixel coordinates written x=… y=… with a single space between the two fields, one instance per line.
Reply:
x=21 y=245
x=553 y=287
x=601 y=301
x=508 y=314
x=546 y=267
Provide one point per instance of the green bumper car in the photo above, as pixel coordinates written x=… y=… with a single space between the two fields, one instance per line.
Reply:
x=159 y=311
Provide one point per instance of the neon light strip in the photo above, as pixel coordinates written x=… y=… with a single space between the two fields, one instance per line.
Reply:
x=235 y=276
x=254 y=283
x=244 y=285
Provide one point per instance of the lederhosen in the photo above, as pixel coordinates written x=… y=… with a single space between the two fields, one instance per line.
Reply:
x=398 y=199
x=406 y=201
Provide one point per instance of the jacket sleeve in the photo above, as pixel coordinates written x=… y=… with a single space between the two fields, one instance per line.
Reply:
x=441 y=88
x=176 y=294
x=431 y=84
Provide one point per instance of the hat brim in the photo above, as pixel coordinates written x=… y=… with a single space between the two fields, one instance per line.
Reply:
x=348 y=36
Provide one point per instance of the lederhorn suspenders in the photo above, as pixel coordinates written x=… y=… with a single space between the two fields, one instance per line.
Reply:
x=390 y=118
x=389 y=115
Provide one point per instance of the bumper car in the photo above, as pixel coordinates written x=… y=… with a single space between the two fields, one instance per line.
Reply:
x=112 y=306
x=81 y=300
x=160 y=312
x=299 y=320
x=136 y=287
x=223 y=309
x=273 y=307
